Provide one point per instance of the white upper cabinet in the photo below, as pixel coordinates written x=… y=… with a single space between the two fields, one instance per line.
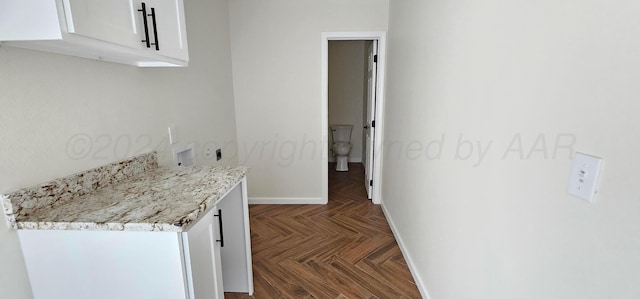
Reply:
x=171 y=28
x=29 y=20
x=112 y=21
x=141 y=33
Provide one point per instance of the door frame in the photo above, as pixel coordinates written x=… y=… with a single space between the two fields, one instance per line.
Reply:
x=381 y=37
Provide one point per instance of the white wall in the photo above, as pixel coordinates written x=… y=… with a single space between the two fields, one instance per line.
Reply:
x=276 y=48
x=347 y=91
x=59 y=112
x=503 y=226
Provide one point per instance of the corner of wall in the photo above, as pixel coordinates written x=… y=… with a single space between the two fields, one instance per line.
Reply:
x=422 y=287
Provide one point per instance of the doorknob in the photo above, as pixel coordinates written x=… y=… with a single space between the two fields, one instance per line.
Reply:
x=366 y=127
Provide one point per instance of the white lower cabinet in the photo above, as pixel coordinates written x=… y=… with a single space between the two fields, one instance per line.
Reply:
x=202 y=257
x=64 y=264
x=104 y=264
x=236 y=253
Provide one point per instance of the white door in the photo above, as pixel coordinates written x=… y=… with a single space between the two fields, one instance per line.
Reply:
x=372 y=72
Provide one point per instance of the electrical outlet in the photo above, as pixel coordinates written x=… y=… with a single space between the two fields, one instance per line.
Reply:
x=207 y=152
x=584 y=176
x=218 y=154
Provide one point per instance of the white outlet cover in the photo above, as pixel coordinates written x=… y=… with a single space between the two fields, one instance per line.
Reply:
x=585 y=172
x=172 y=134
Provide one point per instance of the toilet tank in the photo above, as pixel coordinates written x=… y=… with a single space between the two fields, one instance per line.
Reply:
x=341 y=133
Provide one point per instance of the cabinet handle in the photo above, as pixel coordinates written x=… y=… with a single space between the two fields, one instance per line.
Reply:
x=146 y=26
x=220 y=225
x=155 y=28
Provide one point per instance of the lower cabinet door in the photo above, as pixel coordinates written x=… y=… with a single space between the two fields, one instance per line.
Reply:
x=202 y=257
x=236 y=253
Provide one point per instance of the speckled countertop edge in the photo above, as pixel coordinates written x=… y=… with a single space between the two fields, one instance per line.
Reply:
x=137 y=197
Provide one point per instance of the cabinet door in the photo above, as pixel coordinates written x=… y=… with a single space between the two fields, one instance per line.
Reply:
x=169 y=29
x=236 y=255
x=113 y=21
x=203 y=252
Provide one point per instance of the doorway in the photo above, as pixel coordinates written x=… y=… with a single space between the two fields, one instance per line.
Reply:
x=368 y=103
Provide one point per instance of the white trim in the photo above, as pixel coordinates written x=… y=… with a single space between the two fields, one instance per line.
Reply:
x=381 y=37
x=247 y=235
x=350 y=160
x=416 y=277
x=324 y=115
x=183 y=240
x=286 y=201
x=376 y=198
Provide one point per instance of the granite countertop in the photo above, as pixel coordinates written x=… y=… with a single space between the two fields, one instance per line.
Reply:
x=138 y=196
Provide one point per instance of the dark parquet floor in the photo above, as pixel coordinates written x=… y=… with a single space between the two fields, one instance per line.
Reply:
x=344 y=249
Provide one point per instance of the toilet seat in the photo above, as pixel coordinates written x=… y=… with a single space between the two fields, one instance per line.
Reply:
x=341 y=148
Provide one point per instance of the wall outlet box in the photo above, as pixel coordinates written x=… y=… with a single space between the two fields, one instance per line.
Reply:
x=218 y=154
x=184 y=156
x=584 y=176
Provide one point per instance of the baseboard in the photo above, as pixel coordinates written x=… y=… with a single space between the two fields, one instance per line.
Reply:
x=286 y=201
x=417 y=278
x=350 y=160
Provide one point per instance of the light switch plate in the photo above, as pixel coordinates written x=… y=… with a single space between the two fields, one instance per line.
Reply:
x=584 y=176
x=172 y=134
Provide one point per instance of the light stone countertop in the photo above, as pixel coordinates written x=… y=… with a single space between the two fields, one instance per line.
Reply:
x=148 y=199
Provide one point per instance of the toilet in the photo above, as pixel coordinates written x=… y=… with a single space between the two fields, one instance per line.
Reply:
x=341 y=145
